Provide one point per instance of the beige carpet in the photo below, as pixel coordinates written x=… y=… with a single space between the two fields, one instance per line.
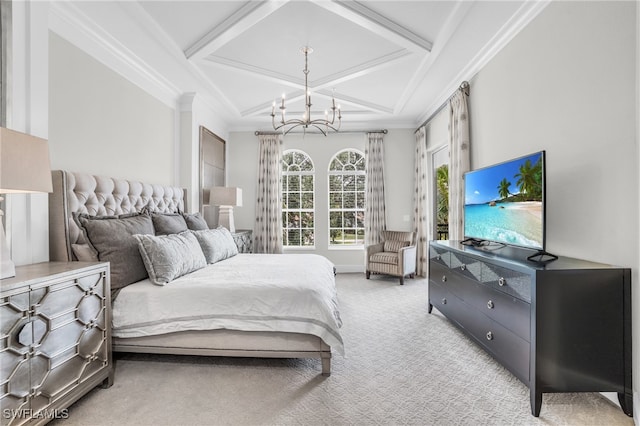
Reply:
x=403 y=366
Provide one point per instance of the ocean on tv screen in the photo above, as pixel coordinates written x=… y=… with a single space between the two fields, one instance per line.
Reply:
x=516 y=223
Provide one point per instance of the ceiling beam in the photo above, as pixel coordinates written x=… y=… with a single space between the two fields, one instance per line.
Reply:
x=373 y=21
x=240 y=21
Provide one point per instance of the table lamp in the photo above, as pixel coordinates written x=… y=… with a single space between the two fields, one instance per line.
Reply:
x=226 y=197
x=24 y=168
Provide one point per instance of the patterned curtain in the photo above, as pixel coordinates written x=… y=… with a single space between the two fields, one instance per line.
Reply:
x=458 y=161
x=268 y=227
x=375 y=216
x=421 y=214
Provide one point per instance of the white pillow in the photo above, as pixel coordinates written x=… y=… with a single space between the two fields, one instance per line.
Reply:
x=217 y=244
x=168 y=257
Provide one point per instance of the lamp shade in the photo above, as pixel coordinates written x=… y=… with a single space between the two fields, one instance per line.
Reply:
x=225 y=196
x=24 y=163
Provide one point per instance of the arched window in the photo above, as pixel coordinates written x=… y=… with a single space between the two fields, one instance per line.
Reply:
x=298 y=207
x=346 y=198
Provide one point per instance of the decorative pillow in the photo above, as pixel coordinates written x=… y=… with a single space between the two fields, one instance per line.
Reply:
x=111 y=238
x=168 y=223
x=395 y=246
x=168 y=257
x=195 y=221
x=217 y=244
x=84 y=253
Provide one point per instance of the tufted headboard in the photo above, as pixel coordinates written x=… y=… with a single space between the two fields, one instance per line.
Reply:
x=100 y=196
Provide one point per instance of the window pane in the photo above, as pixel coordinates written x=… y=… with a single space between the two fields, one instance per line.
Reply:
x=349 y=219
x=335 y=219
x=307 y=182
x=294 y=183
x=307 y=220
x=335 y=183
x=360 y=200
x=293 y=237
x=349 y=200
x=294 y=200
x=307 y=200
x=335 y=200
x=349 y=182
x=360 y=183
x=307 y=237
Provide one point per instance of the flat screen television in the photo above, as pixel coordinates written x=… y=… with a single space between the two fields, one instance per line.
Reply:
x=505 y=203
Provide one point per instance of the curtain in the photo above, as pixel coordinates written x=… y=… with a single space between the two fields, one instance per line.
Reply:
x=458 y=161
x=375 y=216
x=268 y=227
x=421 y=216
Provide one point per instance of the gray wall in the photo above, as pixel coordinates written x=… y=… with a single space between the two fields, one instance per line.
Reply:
x=567 y=84
x=100 y=123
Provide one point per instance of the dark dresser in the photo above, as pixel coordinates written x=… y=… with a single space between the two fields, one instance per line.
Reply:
x=562 y=326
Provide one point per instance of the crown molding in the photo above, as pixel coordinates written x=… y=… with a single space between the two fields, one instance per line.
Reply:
x=525 y=14
x=69 y=22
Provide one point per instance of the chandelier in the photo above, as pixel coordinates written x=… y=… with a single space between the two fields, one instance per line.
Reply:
x=323 y=125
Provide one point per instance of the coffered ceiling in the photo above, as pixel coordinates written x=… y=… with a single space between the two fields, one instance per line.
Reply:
x=388 y=63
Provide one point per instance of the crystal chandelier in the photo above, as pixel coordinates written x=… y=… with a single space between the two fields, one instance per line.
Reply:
x=323 y=125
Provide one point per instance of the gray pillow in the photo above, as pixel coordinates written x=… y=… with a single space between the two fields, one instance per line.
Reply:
x=111 y=238
x=195 y=221
x=168 y=257
x=217 y=244
x=168 y=223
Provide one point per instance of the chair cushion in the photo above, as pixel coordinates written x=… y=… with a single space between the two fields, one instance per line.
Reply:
x=395 y=246
x=384 y=257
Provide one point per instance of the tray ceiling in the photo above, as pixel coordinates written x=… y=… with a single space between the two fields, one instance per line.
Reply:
x=389 y=63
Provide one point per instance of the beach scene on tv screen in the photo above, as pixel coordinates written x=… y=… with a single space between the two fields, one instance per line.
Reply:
x=504 y=202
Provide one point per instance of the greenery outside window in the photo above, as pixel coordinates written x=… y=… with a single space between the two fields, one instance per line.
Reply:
x=347 y=198
x=298 y=206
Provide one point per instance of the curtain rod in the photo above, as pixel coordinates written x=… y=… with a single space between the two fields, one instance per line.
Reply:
x=464 y=86
x=385 y=131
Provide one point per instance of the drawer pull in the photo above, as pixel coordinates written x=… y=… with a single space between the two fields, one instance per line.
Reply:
x=490 y=304
x=438 y=257
x=463 y=267
x=444 y=278
x=444 y=301
x=489 y=335
x=501 y=281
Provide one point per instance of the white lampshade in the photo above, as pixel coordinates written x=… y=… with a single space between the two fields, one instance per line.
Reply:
x=225 y=196
x=24 y=167
x=24 y=163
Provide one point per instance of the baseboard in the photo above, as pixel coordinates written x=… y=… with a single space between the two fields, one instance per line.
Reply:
x=346 y=269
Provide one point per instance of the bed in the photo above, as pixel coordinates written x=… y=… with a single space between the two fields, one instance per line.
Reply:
x=221 y=309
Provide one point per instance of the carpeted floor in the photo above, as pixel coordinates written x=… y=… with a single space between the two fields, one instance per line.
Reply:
x=402 y=366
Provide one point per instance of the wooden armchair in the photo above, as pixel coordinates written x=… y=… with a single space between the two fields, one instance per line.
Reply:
x=396 y=255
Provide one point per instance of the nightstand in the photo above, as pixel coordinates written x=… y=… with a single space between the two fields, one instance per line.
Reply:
x=243 y=240
x=55 y=338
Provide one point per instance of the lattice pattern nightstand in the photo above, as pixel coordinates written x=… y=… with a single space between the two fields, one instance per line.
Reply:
x=243 y=239
x=55 y=339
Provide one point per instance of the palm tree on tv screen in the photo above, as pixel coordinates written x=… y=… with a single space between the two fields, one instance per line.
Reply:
x=530 y=180
x=503 y=188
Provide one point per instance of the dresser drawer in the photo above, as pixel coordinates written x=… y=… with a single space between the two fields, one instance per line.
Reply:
x=439 y=255
x=448 y=304
x=509 y=349
x=466 y=266
x=515 y=283
x=510 y=312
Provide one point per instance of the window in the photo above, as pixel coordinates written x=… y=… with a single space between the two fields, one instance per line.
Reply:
x=441 y=206
x=346 y=198
x=298 y=185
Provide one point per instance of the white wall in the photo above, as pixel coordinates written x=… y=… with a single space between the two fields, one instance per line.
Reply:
x=27 y=215
x=567 y=84
x=242 y=160
x=100 y=123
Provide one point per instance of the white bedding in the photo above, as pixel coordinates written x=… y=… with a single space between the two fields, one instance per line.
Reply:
x=248 y=292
